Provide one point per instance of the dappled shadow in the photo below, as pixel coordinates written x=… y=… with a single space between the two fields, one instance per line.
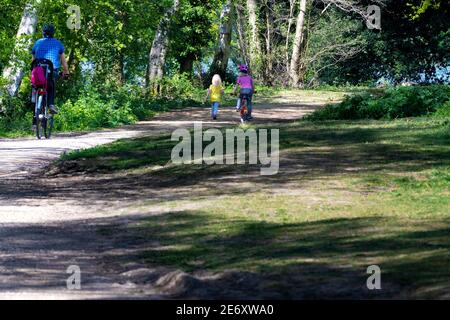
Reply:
x=307 y=154
x=325 y=258
x=18 y=157
x=188 y=255
x=182 y=255
x=263 y=114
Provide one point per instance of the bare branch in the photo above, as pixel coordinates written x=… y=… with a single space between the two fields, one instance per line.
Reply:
x=353 y=6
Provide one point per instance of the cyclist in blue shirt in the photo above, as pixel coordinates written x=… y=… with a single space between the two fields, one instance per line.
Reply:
x=53 y=50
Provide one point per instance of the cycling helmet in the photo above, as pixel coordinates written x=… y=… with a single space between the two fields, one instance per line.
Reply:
x=243 y=68
x=48 y=31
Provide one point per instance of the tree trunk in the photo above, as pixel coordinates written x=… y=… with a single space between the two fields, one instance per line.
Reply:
x=187 y=64
x=121 y=69
x=220 y=62
x=269 y=41
x=120 y=56
x=157 y=56
x=74 y=62
x=15 y=72
x=296 y=51
x=255 y=44
x=242 y=37
x=292 y=4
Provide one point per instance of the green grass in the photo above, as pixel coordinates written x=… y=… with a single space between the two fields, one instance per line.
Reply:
x=123 y=154
x=349 y=194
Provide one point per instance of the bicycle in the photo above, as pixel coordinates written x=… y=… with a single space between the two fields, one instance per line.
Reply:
x=245 y=116
x=244 y=108
x=43 y=119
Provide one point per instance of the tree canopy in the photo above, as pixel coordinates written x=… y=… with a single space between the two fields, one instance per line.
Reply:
x=333 y=45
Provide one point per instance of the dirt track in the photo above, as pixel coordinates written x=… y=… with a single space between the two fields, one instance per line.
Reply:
x=45 y=231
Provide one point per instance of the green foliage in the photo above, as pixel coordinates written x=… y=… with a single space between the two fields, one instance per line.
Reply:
x=108 y=56
x=10 y=15
x=404 y=49
x=104 y=106
x=193 y=32
x=179 y=86
x=332 y=38
x=395 y=102
x=15 y=126
x=423 y=7
x=444 y=111
x=90 y=111
x=14 y=119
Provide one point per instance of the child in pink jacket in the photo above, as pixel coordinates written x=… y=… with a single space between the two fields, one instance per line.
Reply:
x=247 y=87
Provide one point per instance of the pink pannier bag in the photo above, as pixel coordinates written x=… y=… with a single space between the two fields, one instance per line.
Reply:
x=38 y=78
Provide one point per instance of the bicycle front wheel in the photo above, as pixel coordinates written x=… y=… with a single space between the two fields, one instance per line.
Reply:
x=49 y=127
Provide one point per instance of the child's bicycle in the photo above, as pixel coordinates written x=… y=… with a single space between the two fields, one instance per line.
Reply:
x=245 y=117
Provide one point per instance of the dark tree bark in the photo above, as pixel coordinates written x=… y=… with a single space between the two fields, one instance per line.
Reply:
x=220 y=61
x=187 y=64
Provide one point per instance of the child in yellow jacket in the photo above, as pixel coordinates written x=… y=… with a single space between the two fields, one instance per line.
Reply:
x=215 y=93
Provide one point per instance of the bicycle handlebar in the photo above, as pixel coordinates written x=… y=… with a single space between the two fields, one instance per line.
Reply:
x=64 y=76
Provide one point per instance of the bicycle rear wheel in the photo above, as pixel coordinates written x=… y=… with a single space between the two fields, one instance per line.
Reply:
x=244 y=111
x=40 y=124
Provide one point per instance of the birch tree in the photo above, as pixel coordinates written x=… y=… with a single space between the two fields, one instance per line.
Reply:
x=15 y=72
x=294 y=72
x=292 y=4
x=270 y=7
x=157 y=56
x=255 y=44
x=353 y=6
x=349 y=6
x=242 y=35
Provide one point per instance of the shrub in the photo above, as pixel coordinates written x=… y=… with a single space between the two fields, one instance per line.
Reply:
x=101 y=106
x=395 y=102
x=90 y=111
x=106 y=106
x=444 y=111
x=14 y=119
x=179 y=86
